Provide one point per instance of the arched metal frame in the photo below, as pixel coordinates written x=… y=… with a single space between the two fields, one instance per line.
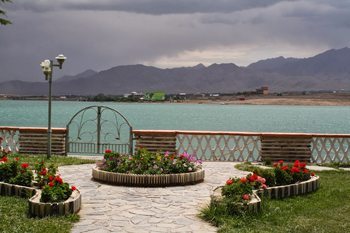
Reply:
x=97 y=145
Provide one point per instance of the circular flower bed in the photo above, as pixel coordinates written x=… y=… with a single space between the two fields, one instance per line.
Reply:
x=148 y=169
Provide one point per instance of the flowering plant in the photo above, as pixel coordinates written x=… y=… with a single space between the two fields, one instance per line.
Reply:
x=56 y=190
x=24 y=176
x=43 y=173
x=289 y=174
x=241 y=189
x=13 y=172
x=144 y=162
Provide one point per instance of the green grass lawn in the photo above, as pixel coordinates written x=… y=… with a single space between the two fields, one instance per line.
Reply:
x=14 y=210
x=55 y=159
x=326 y=210
x=13 y=218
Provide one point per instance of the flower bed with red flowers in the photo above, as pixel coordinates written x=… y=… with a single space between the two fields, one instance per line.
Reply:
x=17 y=179
x=149 y=169
x=283 y=181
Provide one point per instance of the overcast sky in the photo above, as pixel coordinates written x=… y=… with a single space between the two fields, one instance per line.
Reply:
x=100 y=34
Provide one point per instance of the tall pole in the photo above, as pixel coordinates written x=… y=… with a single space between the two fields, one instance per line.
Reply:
x=49 y=130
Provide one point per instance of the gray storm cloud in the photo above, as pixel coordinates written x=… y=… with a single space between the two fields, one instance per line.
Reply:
x=105 y=33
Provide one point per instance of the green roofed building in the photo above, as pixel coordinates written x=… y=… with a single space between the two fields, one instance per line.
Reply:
x=155 y=96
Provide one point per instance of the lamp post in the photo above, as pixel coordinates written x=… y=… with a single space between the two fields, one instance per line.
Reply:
x=47 y=68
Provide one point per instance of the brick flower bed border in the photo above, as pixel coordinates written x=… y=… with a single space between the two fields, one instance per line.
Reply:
x=39 y=209
x=277 y=192
x=148 y=180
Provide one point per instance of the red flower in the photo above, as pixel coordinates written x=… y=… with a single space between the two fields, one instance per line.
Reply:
x=302 y=165
x=246 y=197
x=107 y=151
x=4 y=159
x=295 y=170
x=275 y=164
x=229 y=182
x=51 y=178
x=243 y=180
x=306 y=171
x=51 y=184
x=312 y=174
x=16 y=159
x=74 y=188
x=253 y=177
x=280 y=162
x=43 y=172
x=296 y=163
x=24 y=165
x=285 y=168
x=59 y=179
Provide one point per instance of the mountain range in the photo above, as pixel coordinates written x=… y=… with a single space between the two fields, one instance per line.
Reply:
x=329 y=70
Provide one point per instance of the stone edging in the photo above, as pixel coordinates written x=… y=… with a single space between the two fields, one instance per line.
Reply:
x=276 y=192
x=40 y=209
x=148 y=180
x=283 y=191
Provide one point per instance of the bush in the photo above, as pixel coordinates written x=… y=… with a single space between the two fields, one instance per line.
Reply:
x=24 y=177
x=8 y=169
x=43 y=173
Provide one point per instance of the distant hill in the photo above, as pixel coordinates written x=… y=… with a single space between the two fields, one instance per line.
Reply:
x=329 y=70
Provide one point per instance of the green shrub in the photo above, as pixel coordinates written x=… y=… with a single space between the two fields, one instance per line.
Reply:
x=145 y=162
x=24 y=177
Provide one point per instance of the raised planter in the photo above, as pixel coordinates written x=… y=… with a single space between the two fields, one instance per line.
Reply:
x=7 y=189
x=148 y=180
x=40 y=209
x=254 y=205
x=279 y=192
x=276 y=192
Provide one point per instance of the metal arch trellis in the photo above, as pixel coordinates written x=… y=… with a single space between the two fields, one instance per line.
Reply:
x=96 y=128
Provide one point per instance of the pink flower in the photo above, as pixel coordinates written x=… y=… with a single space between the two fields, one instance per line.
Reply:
x=264 y=186
x=261 y=180
x=246 y=197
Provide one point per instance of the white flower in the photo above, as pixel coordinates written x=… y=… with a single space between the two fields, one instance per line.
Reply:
x=189 y=169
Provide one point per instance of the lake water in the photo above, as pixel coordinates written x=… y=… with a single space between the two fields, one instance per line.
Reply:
x=252 y=118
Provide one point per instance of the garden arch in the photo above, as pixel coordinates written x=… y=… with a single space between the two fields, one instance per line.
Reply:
x=94 y=129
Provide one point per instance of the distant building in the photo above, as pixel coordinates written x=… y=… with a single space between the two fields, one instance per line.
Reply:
x=262 y=90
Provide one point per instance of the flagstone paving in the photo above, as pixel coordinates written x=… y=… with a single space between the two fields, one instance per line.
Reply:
x=108 y=208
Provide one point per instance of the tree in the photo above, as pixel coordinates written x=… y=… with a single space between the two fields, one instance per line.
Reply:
x=2 y=12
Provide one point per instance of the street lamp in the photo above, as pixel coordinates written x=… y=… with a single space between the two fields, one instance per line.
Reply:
x=47 y=68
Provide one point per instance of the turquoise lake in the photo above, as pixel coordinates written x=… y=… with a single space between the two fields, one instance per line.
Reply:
x=252 y=118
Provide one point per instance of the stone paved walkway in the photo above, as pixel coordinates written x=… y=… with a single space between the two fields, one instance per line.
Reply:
x=108 y=208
